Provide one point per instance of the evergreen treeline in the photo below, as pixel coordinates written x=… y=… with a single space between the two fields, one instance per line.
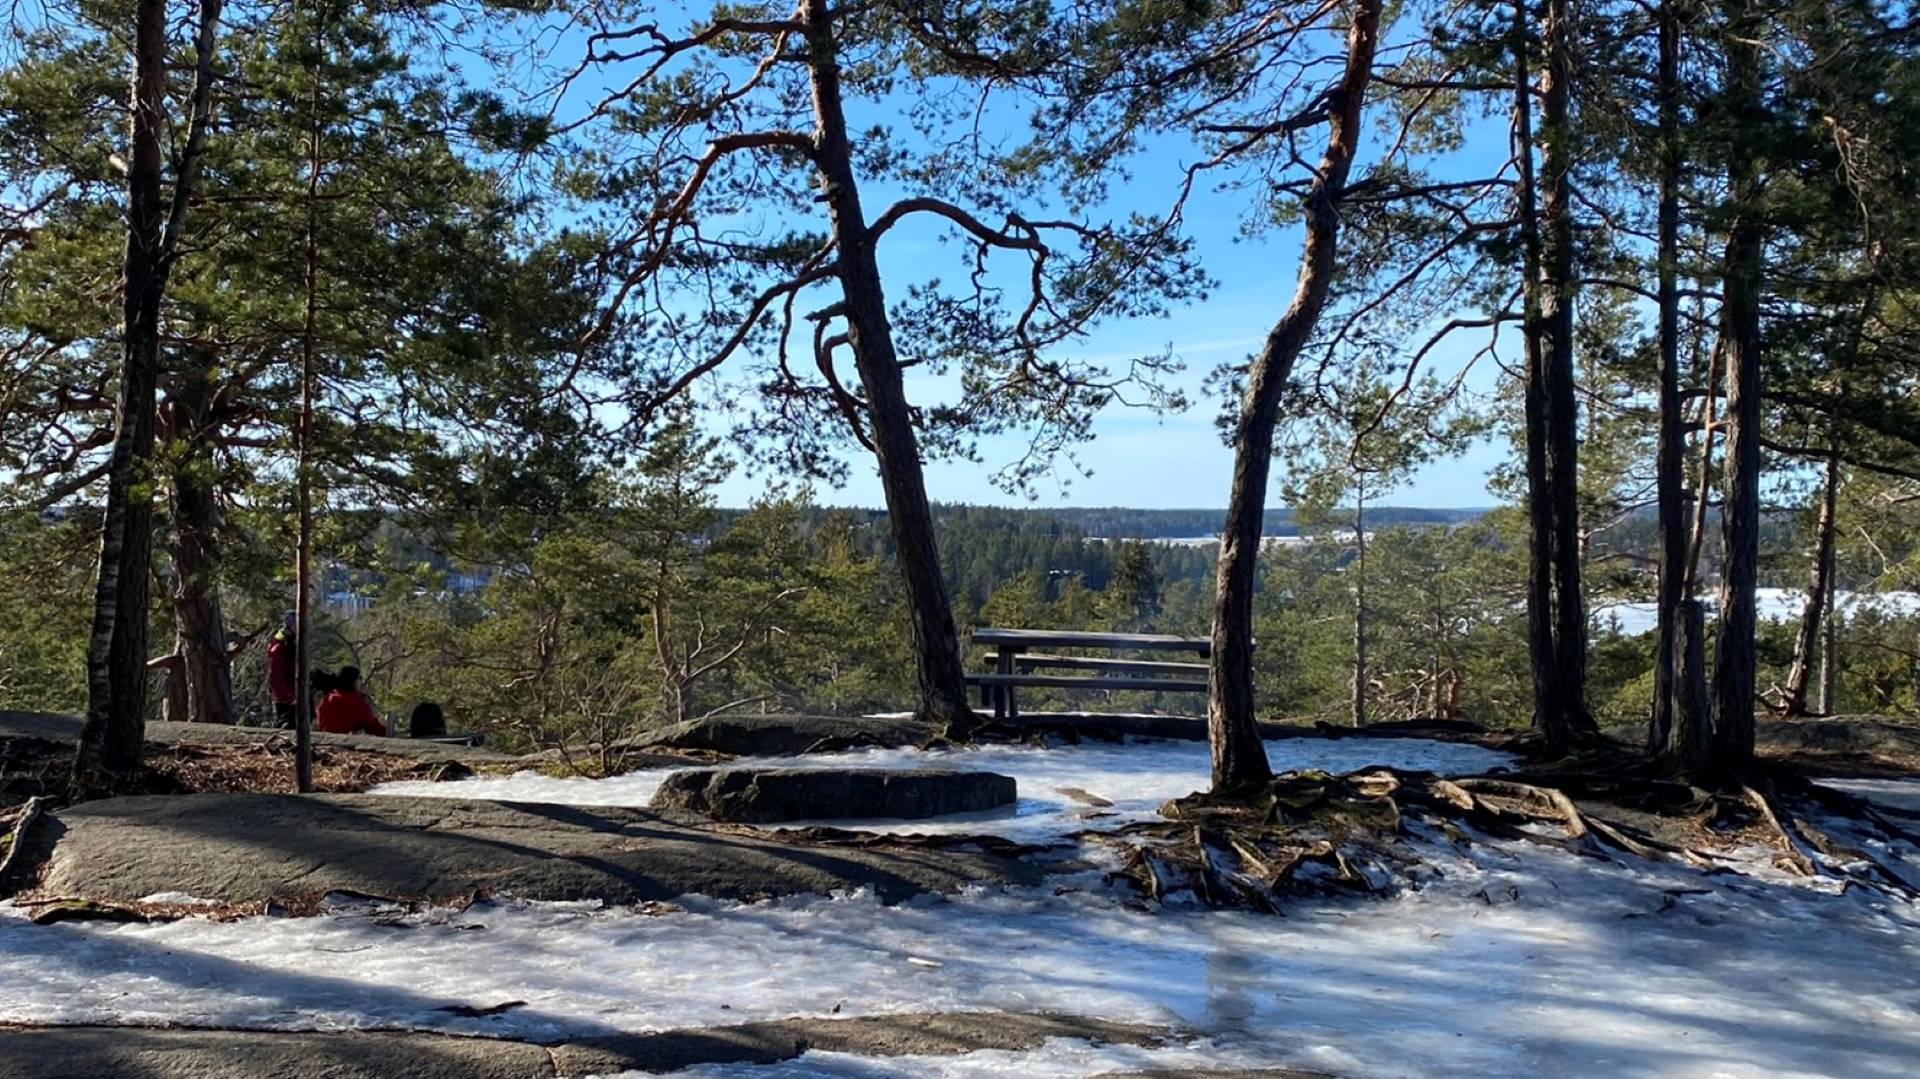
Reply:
x=552 y=639
x=428 y=288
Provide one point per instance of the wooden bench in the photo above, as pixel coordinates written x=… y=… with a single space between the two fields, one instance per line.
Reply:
x=1016 y=663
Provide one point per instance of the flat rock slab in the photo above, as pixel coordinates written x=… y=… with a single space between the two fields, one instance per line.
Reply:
x=767 y=795
x=938 y=1034
x=1842 y=734
x=54 y=727
x=139 y=1053
x=292 y=849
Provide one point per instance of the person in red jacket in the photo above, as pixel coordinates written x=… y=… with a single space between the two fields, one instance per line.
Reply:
x=346 y=710
x=283 y=673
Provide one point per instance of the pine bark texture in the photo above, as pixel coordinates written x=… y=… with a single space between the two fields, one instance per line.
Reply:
x=1690 y=744
x=200 y=628
x=1829 y=700
x=1735 y=661
x=1671 y=439
x=936 y=640
x=1557 y=624
x=1239 y=758
x=115 y=725
x=309 y=371
x=117 y=642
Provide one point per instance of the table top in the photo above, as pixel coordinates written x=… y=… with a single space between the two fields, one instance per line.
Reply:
x=1071 y=638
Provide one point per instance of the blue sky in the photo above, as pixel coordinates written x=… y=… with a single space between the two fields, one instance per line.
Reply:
x=1138 y=458
x=1175 y=461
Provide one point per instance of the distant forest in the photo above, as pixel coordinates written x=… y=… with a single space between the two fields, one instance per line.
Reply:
x=1119 y=522
x=984 y=547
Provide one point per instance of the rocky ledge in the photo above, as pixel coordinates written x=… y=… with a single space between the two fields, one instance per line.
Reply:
x=769 y=795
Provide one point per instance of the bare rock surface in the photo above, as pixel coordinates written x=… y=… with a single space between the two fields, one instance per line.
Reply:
x=54 y=727
x=1876 y=735
x=292 y=850
x=768 y=795
x=140 y=1053
x=143 y=1053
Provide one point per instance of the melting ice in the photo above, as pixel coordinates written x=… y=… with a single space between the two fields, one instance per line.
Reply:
x=1135 y=777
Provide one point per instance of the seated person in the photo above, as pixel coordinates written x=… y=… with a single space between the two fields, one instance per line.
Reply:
x=346 y=710
x=428 y=720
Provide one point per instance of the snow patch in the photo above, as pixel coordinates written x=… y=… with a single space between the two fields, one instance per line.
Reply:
x=1137 y=777
x=1513 y=961
x=1902 y=795
x=179 y=899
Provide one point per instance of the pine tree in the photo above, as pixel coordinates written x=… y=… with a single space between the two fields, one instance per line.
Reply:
x=775 y=143
x=1130 y=602
x=437 y=330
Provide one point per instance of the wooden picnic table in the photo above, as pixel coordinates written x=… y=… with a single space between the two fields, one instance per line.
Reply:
x=1016 y=660
x=1020 y=640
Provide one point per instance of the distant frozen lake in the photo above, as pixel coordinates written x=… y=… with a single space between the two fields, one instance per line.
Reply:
x=1774 y=604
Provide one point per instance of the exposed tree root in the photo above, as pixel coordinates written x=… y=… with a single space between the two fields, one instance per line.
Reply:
x=1311 y=833
x=1793 y=857
x=53 y=911
x=841 y=743
x=16 y=839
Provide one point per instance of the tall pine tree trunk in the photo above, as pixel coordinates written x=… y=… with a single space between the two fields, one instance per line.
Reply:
x=117 y=643
x=936 y=641
x=1670 y=461
x=1703 y=491
x=1541 y=653
x=1359 y=687
x=1557 y=630
x=1819 y=590
x=1557 y=306
x=200 y=629
x=1690 y=743
x=303 y=493
x=115 y=724
x=1735 y=661
x=1540 y=650
x=1829 y=701
x=1239 y=758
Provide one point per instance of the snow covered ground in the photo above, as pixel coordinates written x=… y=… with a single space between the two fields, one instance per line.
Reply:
x=1514 y=962
x=1774 y=604
x=1136 y=777
x=1900 y=794
x=1511 y=960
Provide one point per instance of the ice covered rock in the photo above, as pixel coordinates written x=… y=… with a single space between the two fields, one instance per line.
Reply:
x=768 y=795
